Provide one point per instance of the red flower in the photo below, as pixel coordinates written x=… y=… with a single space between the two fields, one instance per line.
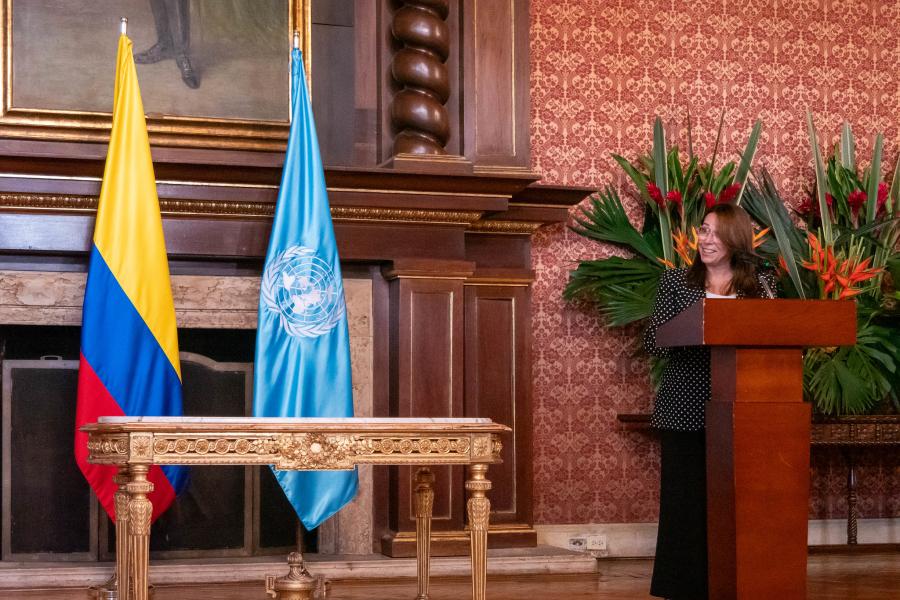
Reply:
x=674 y=197
x=856 y=200
x=656 y=195
x=882 y=197
x=809 y=205
x=710 y=200
x=728 y=195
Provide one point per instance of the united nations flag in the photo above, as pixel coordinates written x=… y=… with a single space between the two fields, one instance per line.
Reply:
x=302 y=343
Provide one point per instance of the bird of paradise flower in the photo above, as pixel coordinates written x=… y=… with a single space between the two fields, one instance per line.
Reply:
x=686 y=246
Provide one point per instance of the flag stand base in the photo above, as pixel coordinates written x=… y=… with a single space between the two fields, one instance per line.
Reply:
x=298 y=584
x=110 y=590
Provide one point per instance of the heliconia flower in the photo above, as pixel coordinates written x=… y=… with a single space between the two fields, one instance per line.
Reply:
x=862 y=266
x=674 y=197
x=656 y=195
x=839 y=276
x=728 y=195
x=856 y=200
x=685 y=247
x=813 y=242
x=758 y=237
x=848 y=293
x=667 y=263
x=710 y=200
x=882 y=197
x=782 y=264
x=829 y=200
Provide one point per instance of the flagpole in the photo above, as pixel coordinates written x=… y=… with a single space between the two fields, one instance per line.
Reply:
x=109 y=590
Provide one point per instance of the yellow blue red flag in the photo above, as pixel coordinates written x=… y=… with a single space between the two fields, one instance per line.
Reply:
x=129 y=345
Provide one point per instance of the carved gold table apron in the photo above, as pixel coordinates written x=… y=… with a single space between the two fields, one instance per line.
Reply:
x=133 y=444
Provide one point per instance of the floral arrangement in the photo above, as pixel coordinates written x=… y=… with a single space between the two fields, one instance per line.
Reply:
x=841 y=243
x=675 y=196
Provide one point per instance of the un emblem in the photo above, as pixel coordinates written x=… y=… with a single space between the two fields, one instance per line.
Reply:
x=301 y=288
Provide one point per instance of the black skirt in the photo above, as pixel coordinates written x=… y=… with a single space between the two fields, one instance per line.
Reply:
x=680 y=568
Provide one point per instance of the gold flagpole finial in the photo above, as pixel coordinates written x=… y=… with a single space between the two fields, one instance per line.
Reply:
x=123 y=25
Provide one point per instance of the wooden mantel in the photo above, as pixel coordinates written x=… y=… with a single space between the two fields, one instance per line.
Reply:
x=448 y=254
x=48 y=194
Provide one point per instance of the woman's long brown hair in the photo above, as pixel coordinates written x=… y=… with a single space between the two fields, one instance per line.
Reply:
x=735 y=230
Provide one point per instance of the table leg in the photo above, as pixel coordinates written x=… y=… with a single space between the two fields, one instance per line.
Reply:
x=139 y=512
x=424 y=505
x=121 y=498
x=479 y=510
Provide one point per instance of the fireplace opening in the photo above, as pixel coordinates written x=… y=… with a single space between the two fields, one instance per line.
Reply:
x=48 y=510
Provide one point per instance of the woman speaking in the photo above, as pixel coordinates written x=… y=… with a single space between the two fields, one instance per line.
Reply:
x=725 y=267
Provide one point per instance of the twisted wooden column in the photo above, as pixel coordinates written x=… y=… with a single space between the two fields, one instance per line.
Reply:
x=418 y=114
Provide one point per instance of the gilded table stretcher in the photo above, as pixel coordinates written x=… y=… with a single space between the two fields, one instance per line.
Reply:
x=133 y=444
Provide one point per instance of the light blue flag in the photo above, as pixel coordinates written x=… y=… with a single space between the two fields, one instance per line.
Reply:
x=302 y=343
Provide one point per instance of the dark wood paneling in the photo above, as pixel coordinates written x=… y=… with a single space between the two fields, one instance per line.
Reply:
x=343 y=83
x=495 y=82
x=230 y=238
x=499 y=251
x=498 y=386
x=381 y=394
x=427 y=330
x=388 y=242
x=430 y=382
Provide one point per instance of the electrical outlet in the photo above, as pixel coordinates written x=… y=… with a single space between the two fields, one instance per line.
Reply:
x=596 y=541
x=578 y=543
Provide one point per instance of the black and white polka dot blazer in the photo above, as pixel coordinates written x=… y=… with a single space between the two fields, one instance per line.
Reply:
x=685 y=389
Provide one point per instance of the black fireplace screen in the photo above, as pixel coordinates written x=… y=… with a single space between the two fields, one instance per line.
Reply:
x=48 y=510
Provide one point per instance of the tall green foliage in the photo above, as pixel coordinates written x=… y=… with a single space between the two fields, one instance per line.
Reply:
x=844 y=246
x=674 y=193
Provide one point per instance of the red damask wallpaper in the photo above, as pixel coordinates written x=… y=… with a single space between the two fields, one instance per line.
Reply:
x=601 y=70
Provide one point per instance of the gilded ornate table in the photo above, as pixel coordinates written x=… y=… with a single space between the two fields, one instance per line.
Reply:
x=133 y=444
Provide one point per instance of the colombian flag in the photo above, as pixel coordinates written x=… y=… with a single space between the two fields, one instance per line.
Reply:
x=129 y=344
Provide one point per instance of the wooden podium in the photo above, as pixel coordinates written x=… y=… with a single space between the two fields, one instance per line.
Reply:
x=757 y=435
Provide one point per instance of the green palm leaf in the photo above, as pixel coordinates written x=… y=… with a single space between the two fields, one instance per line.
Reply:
x=605 y=220
x=848 y=153
x=628 y=304
x=820 y=179
x=766 y=207
x=874 y=178
x=743 y=170
x=661 y=178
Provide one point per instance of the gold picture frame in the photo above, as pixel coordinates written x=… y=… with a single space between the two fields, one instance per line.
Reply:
x=58 y=69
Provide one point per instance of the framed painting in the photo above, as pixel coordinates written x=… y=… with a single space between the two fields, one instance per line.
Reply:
x=213 y=73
